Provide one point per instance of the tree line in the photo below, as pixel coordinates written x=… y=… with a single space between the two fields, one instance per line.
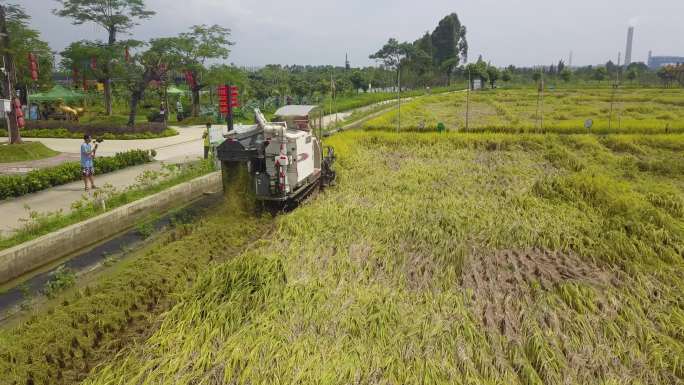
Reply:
x=131 y=67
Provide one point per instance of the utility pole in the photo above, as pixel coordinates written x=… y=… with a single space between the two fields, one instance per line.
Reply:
x=542 y=100
x=615 y=86
x=468 y=100
x=399 y=97
x=7 y=77
x=332 y=92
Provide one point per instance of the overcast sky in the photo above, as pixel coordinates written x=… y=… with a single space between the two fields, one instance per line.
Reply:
x=519 y=32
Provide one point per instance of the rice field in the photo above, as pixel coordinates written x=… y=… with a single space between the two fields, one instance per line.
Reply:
x=453 y=258
x=645 y=111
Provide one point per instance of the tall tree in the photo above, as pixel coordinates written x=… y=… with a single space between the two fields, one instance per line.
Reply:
x=20 y=40
x=493 y=74
x=566 y=75
x=87 y=59
x=8 y=91
x=114 y=16
x=393 y=54
x=450 y=44
x=561 y=66
x=194 y=48
x=600 y=74
x=150 y=65
x=25 y=40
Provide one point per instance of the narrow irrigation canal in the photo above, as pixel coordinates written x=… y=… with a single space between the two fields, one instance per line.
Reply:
x=17 y=293
x=56 y=327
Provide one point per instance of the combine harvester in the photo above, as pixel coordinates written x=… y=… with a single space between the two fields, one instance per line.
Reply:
x=286 y=164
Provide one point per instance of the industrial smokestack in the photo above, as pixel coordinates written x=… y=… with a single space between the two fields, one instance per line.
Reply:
x=628 y=51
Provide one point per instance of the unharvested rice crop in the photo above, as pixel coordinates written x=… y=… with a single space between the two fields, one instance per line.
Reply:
x=455 y=259
x=633 y=111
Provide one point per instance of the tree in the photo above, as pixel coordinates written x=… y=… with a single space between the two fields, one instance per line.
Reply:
x=671 y=73
x=141 y=69
x=561 y=67
x=8 y=76
x=449 y=44
x=392 y=54
x=358 y=80
x=477 y=69
x=536 y=76
x=493 y=74
x=87 y=58
x=25 y=40
x=566 y=74
x=632 y=74
x=112 y=15
x=600 y=74
x=506 y=76
x=193 y=49
x=17 y=41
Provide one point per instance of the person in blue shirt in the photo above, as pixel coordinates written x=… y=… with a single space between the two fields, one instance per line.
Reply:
x=87 y=156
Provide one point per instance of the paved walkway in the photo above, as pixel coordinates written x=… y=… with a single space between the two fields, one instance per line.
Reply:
x=16 y=210
x=188 y=143
x=26 y=166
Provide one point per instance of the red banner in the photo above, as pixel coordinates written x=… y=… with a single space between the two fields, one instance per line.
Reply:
x=228 y=99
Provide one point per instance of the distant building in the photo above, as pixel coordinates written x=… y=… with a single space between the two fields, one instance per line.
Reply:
x=655 y=62
x=630 y=42
x=477 y=83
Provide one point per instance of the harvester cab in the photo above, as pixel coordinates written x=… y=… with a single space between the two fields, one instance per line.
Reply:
x=285 y=164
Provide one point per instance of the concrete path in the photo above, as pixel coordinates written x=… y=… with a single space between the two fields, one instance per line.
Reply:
x=188 y=143
x=26 y=166
x=16 y=210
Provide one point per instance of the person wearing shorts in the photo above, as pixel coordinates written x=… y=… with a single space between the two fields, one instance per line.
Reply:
x=87 y=156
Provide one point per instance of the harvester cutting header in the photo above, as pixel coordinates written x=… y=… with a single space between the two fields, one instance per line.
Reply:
x=286 y=163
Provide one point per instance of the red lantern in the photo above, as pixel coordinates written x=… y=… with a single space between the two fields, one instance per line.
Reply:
x=190 y=79
x=33 y=66
x=18 y=113
x=93 y=63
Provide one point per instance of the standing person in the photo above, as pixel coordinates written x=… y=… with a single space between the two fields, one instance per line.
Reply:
x=179 y=110
x=205 y=136
x=87 y=156
x=162 y=112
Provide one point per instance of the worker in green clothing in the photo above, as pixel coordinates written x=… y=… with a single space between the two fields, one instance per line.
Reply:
x=206 y=141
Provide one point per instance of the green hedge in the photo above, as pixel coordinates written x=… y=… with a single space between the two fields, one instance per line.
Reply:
x=37 y=180
x=63 y=133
